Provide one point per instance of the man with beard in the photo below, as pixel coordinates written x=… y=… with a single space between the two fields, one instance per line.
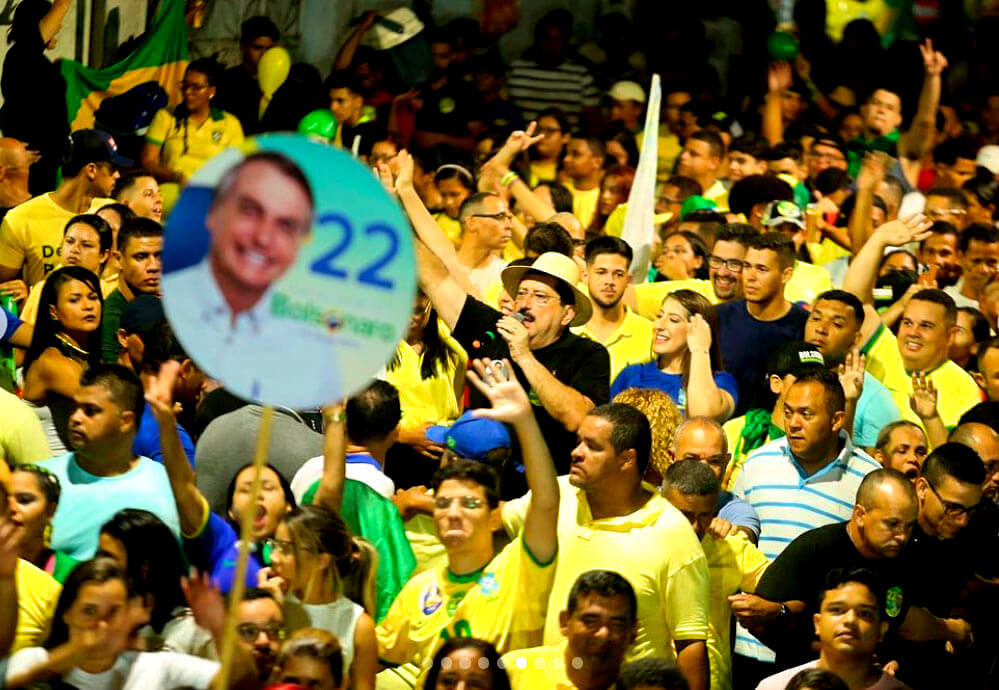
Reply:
x=626 y=335
x=725 y=262
x=978 y=253
x=938 y=253
x=260 y=628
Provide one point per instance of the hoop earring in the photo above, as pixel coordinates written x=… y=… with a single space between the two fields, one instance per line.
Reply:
x=47 y=535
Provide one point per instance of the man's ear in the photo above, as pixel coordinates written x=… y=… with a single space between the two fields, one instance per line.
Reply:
x=122 y=337
x=128 y=418
x=563 y=623
x=629 y=458
x=837 y=420
x=951 y=335
x=776 y=384
x=979 y=379
x=569 y=315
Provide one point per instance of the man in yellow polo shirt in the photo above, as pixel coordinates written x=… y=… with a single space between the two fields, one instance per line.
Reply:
x=925 y=332
x=498 y=597
x=626 y=335
x=735 y=564
x=598 y=625
x=608 y=519
x=584 y=165
x=32 y=232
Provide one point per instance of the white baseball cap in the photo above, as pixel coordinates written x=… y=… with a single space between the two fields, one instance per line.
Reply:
x=627 y=91
x=988 y=157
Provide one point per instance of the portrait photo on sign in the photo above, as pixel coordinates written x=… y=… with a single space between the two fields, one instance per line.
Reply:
x=288 y=272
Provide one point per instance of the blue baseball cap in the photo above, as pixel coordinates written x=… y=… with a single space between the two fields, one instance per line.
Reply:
x=471 y=437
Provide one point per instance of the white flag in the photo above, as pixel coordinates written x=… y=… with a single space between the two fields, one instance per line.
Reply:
x=639 y=228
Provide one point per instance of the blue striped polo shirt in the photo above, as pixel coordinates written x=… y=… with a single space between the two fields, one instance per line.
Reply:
x=789 y=502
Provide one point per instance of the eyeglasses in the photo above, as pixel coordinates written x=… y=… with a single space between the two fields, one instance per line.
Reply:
x=734 y=265
x=549 y=131
x=188 y=86
x=249 y=632
x=538 y=297
x=941 y=212
x=285 y=548
x=951 y=509
x=503 y=215
x=716 y=460
x=466 y=502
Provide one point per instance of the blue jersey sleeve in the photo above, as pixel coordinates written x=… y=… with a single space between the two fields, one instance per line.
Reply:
x=8 y=324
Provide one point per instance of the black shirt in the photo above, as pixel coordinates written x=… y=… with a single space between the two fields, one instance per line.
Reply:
x=747 y=343
x=579 y=363
x=239 y=93
x=800 y=572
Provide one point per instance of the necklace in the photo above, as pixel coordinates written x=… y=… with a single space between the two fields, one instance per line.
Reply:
x=76 y=349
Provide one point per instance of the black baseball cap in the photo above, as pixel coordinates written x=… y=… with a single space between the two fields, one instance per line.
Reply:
x=94 y=146
x=795 y=357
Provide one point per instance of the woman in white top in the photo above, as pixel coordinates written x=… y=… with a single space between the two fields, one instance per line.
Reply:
x=93 y=622
x=311 y=554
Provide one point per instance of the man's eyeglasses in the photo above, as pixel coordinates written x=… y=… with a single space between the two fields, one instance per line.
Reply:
x=734 y=265
x=249 y=632
x=942 y=212
x=951 y=509
x=466 y=502
x=716 y=460
x=549 y=131
x=503 y=215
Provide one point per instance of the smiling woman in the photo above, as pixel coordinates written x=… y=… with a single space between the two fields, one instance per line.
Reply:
x=66 y=342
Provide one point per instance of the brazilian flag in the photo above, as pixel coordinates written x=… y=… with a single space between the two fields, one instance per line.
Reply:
x=123 y=98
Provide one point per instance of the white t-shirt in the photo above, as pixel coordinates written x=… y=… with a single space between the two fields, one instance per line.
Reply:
x=131 y=671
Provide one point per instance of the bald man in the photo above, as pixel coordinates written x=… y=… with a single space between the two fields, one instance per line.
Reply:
x=15 y=159
x=702 y=439
x=575 y=230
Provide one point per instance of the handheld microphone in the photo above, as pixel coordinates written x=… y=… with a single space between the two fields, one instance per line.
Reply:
x=491 y=335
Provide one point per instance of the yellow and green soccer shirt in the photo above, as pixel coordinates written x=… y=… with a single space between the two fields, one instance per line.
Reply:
x=881 y=351
x=735 y=565
x=538 y=667
x=450 y=227
x=503 y=603
x=31 y=233
x=808 y=282
x=630 y=343
x=542 y=171
x=957 y=391
x=654 y=548
x=37 y=595
x=584 y=203
x=649 y=296
x=186 y=145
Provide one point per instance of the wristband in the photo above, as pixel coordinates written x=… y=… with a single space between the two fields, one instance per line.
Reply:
x=509 y=178
x=337 y=417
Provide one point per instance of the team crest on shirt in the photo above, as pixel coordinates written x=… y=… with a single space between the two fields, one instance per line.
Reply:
x=488 y=584
x=893 y=601
x=216 y=136
x=431 y=599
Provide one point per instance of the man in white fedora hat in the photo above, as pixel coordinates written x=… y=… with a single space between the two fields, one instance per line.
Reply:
x=566 y=375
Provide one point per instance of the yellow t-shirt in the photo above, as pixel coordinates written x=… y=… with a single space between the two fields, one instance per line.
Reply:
x=427 y=401
x=542 y=172
x=503 y=603
x=37 y=595
x=808 y=282
x=649 y=296
x=882 y=354
x=842 y=12
x=825 y=251
x=32 y=232
x=450 y=226
x=22 y=439
x=654 y=548
x=735 y=565
x=669 y=150
x=957 y=391
x=732 y=429
x=584 y=203
x=29 y=312
x=630 y=343
x=538 y=667
x=718 y=193
x=185 y=147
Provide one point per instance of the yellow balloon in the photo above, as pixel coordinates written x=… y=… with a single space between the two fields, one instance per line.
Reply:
x=273 y=69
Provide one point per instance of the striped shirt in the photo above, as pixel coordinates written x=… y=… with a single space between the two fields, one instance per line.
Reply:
x=789 y=502
x=569 y=87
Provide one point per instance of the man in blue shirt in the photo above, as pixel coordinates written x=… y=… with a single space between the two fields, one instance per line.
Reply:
x=102 y=475
x=833 y=327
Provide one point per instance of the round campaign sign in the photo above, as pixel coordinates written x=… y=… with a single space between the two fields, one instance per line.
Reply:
x=288 y=272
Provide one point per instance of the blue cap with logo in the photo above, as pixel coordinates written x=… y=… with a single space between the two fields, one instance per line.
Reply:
x=471 y=437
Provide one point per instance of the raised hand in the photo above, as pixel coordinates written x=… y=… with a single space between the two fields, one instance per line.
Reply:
x=698 y=334
x=923 y=400
x=205 y=601
x=521 y=140
x=873 y=169
x=903 y=231
x=159 y=391
x=404 y=177
x=778 y=77
x=851 y=374
x=273 y=583
x=516 y=336
x=934 y=62
x=495 y=380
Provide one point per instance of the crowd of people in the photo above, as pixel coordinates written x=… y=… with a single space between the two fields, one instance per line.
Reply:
x=770 y=461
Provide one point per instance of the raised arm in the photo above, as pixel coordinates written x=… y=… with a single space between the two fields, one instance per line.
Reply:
x=329 y=495
x=872 y=171
x=778 y=80
x=205 y=601
x=10 y=538
x=863 y=272
x=518 y=142
x=704 y=397
x=51 y=23
x=914 y=144
x=511 y=405
x=345 y=56
x=192 y=506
